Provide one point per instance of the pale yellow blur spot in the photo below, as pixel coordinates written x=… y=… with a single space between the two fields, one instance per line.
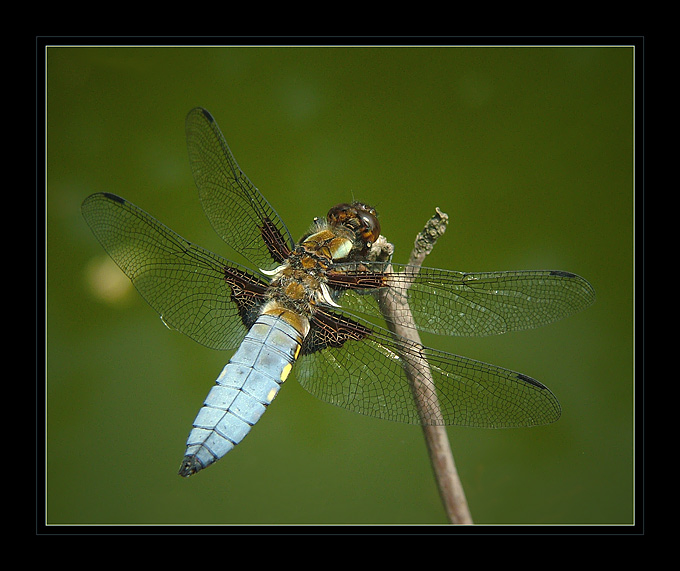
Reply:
x=271 y=395
x=105 y=280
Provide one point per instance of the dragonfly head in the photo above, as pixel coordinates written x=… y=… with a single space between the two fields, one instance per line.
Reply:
x=360 y=218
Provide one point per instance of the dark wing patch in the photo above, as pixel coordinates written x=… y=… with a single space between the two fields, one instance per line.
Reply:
x=329 y=329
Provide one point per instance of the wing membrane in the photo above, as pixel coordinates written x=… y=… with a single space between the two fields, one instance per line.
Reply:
x=479 y=304
x=366 y=376
x=183 y=282
x=235 y=207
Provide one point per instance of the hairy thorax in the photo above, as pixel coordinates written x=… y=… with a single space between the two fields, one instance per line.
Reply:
x=301 y=282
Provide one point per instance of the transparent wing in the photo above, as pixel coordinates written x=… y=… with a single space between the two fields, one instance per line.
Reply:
x=186 y=284
x=478 y=304
x=366 y=375
x=236 y=209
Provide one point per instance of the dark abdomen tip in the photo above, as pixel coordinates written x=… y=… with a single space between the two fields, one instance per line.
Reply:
x=190 y=465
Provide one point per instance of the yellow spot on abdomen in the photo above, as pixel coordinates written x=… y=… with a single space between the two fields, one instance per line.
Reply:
x=271 y=395
x=286 y=371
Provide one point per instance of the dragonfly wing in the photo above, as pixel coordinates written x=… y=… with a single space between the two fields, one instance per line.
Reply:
x=200 y=294
x=235 y=207
x=478 y=304
x=362 y=369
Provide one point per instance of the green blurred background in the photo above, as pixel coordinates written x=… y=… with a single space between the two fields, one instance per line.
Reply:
x=528 y=150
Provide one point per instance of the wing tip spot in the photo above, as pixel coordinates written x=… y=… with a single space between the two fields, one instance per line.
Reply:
x=562 y=274
x=531 y=381
x=114 y=197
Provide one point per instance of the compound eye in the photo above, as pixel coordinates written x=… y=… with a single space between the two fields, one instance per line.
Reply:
x=370 y=227
x=339 y=213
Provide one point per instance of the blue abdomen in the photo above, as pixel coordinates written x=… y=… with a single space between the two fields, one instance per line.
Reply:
x=244 y=389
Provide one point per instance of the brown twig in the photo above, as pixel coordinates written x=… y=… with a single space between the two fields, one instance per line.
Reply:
x=418 y=372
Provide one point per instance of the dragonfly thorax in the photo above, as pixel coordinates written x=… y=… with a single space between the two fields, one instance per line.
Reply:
x=327 y=243
x=300 y=283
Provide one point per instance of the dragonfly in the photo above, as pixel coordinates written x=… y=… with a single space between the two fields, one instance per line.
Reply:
x=315 y=306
